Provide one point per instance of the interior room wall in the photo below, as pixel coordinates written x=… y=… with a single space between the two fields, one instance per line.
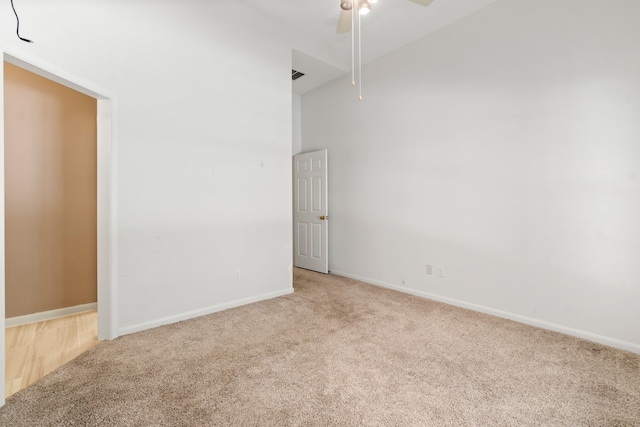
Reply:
x=296 y=145
x=504 y=149
x=50 y=195
x=202 y=129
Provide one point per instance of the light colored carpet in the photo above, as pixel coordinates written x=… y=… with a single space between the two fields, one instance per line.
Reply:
x=338 y=353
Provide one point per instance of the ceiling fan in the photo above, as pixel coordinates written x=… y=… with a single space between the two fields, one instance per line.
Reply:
x=362 y=7
x=347 y=23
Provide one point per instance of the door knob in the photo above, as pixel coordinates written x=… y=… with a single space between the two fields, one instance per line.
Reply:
x=324 y=217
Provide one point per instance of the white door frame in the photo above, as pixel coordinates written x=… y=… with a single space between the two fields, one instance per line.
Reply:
x=106 y=192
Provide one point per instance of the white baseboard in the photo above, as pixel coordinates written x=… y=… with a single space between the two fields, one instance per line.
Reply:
x=48 y=315
x=611 y=342
x=202 y=312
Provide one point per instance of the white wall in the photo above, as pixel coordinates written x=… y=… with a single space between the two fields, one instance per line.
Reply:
x=296 y=146
x=203 y=129
x=504 y=148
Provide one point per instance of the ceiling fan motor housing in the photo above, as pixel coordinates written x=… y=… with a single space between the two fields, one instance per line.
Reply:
x=346 y=5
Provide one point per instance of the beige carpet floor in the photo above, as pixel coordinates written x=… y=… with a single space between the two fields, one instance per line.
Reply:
x=338 y=353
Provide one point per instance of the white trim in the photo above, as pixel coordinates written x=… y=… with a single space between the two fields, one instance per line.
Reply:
x=107 y=223
x=2 y=272
x=53 y=73
x=107 y=218
x=48 y=315
x=202 y=312
x=611 y=342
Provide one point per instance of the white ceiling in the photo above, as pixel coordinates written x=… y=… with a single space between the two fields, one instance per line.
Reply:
x=390 y=25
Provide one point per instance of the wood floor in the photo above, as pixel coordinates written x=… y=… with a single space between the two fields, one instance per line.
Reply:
x=36 y=349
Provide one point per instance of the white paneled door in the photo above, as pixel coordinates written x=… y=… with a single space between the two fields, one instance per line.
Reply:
x=310 y=211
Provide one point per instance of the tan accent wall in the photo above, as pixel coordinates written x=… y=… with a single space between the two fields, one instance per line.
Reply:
x=50 y=194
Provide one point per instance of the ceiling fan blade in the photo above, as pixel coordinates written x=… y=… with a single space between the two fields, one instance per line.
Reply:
x=344 y=22
x=424 y=3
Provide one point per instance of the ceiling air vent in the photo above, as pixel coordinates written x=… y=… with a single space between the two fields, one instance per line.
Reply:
x=295 y=75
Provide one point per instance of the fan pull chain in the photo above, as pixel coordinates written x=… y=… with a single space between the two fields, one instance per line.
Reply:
x=353 y=44
x=360 y=57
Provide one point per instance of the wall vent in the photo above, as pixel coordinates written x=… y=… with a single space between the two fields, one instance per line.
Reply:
x=295 y=75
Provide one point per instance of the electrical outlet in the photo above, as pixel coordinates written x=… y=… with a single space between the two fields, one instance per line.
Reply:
x=236 y=274
x=440 y=271
x=429 y=269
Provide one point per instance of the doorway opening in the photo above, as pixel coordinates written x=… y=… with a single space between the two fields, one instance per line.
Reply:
x=105 y=221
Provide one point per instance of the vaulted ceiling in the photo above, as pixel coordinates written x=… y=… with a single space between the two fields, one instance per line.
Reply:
x=390 y=25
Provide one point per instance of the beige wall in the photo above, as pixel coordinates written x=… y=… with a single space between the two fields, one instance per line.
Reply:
x=50 y=195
